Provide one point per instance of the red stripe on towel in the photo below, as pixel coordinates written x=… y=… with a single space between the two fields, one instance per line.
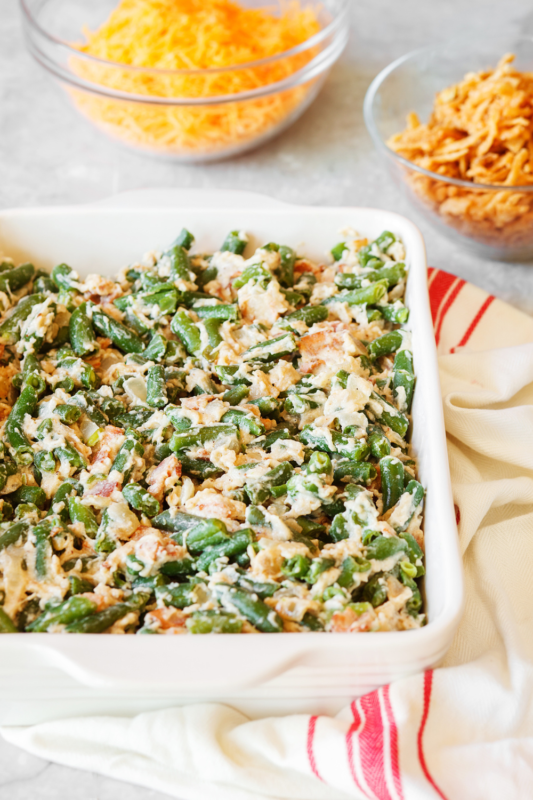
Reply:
x=475 y=322
x=352 y=730
x=428 y=683
x=447 y=305
x=394 y=750
x=310 y=747
x=371 y=747
x=440 y=284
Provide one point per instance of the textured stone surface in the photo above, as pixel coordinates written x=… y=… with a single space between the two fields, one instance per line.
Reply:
x=48 y=155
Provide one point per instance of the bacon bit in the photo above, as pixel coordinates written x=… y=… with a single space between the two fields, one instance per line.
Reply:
x=303 y=265
x=103 y=488
x=103 y=343
x=109 y=444
x=347 y=621
x=170 y=467
x=167 y=618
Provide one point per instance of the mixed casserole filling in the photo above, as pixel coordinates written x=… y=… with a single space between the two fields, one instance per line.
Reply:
x=210 y=444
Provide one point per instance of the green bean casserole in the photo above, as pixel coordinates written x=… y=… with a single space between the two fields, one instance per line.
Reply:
x=210 y=444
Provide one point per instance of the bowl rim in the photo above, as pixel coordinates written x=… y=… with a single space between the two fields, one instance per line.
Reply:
x=323 y=33
x=368 y=114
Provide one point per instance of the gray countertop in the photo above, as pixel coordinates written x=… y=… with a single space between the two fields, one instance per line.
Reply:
x=50 y=156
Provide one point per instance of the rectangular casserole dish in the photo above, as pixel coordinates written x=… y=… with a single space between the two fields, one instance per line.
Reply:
x=46 y=676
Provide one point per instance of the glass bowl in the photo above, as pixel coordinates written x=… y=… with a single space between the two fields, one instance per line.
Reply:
x=180 y=114
x=493 y=220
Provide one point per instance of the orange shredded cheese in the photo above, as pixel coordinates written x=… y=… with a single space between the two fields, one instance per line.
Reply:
x=195 y=35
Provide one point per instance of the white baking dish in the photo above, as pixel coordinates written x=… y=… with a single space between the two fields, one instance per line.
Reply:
x=43 y=676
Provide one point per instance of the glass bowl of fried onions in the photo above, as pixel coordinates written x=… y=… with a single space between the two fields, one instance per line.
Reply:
x=454 y=123
x=191 y=80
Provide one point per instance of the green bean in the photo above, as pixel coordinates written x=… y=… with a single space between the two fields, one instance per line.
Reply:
x=385 y=345
x=79 y=585
x=141 y=500
x=177 y=522
x=385 y=240
x=311 y=622
x=100 y=621
x=370 y=295
x=271 y=350
x=207 y=533
x=44 y=461
x=416 y=492
x=30 y=494
x=285 y=271
x=254 y=272
x=64 y=276
x=157 y=348
x=252 y=608
x=260 y=489
x=374 y=592
x=236 y=545
x=310 y=315
x=378 y=442
x=350 y=567
x=392 y=481
x=13 y=534
x=44 y=284
x=14 y=279
x=245 y=421
x=356 y=449
x=133 y=419
x=11 y=327
x=403 y=361
x=14 y=428
x=180 y=265
x=199 y=468
x=235 y=395
x=6 y=623
x=156 y=389
x=67 y=413
x=235 y=242
x=269 y=407
x=318 y=566
x=296 y=567
x=68 y=454
x=81 y=373
x=383 y=547
x=231 y=376
x=43 y=550
x=212 y=325
x=178 y=595
x=81 y=332
x=396 y=313
x=403 y=384
x=126 y=458
x=201 y=622
x=84 y=515
x=187 y=332
x=184 y=239
x=221 y=311
x=195 y=437
x=358 y=472
x=59 y=504
x=121 y=336
x=338 y=250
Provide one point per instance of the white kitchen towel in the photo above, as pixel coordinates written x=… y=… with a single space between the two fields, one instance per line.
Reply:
x=461 y=732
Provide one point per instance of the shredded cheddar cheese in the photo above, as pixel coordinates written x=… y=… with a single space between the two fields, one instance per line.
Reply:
x=185 y=37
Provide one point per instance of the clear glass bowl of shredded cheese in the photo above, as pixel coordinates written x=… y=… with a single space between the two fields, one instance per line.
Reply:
x=191 y=80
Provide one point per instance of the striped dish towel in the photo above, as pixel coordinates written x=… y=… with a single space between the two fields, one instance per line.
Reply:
x=463 y=731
